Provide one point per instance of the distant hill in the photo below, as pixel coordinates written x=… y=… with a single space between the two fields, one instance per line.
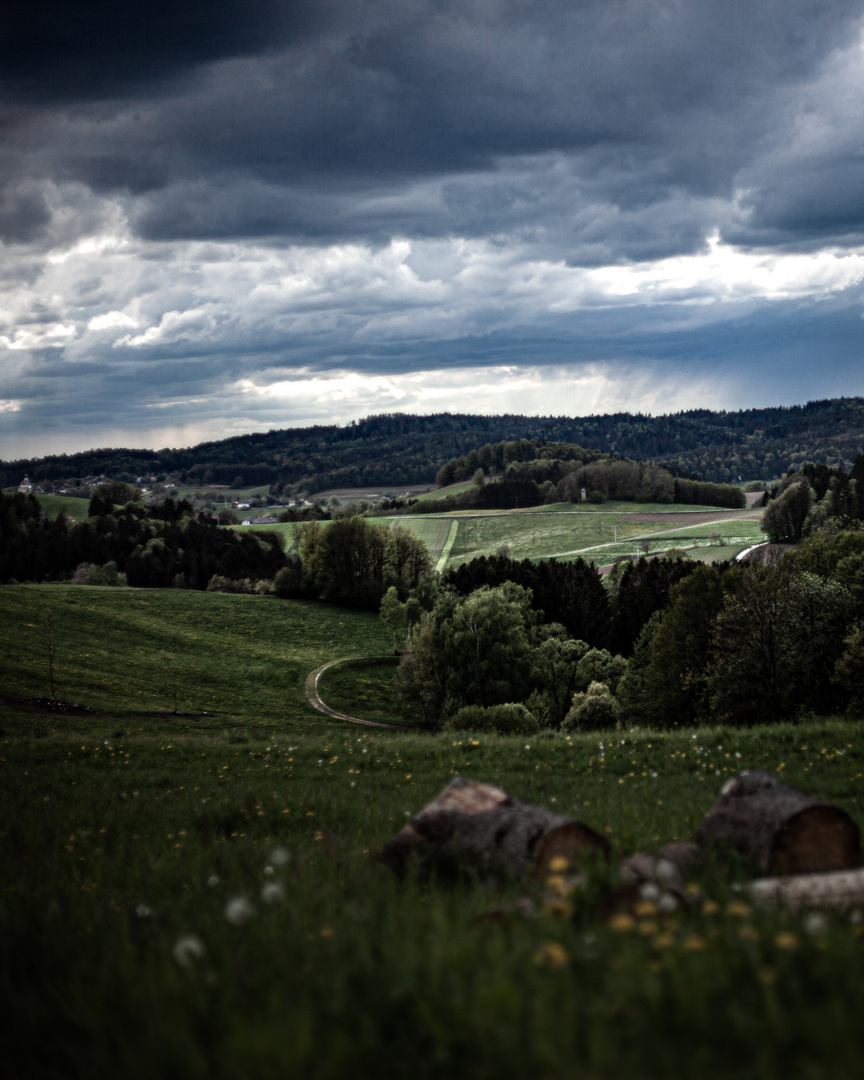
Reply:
x=396 y=449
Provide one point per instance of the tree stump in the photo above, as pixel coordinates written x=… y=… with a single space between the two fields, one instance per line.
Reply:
x=478 y=827
x=780 y=829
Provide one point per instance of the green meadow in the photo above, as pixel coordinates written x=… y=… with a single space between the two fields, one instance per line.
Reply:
x=190 y=891
x=62 y=504
x=598 y=535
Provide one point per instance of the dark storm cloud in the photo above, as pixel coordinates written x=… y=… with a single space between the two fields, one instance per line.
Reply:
x=319 y=121
x=62 y=51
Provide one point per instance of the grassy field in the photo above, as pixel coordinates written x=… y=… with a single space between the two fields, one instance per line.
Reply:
x=231 y=656
x=364 y=690
x=598 y=534
x=195 y=896
x=433 y=531
x=442 y=493
x=56 y=504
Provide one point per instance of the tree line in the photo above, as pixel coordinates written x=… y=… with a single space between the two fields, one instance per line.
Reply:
x=397 y=449
x=533 y=472
x=804 y=500
x=163 y=546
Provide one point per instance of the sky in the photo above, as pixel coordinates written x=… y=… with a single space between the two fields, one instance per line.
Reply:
x=239 y=215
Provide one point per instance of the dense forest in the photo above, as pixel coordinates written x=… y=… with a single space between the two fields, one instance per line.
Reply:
x=530 y=472
x=392 y=450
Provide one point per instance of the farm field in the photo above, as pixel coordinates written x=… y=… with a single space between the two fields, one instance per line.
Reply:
x=597 y=534
x=195 y=896
x=373 y=494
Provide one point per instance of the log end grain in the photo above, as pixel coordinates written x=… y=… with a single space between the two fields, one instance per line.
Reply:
x=819 y=838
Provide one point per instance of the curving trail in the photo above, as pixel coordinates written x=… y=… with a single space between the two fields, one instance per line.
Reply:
x=314 y=699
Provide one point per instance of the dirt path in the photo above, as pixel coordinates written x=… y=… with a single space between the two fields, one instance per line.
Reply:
x=314 y=699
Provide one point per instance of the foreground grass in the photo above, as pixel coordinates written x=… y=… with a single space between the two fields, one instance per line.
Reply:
x=126 y=837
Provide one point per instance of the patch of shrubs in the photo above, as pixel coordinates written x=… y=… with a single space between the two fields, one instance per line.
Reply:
x=509 y=719
x=91 y=574
x=220 y=583
x=593 y=710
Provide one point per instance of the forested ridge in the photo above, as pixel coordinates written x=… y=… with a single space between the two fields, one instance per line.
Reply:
x=395 y=449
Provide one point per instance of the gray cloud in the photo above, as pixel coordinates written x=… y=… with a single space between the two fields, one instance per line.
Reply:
x=316 y=121
x=199 y=203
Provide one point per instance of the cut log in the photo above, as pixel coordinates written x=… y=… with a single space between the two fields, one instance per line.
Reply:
x=478 y=827
x=841 y=889
x=780 y=829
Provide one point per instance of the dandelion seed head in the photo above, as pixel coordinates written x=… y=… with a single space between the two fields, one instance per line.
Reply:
x=188 y=949
x=238 y=910
x=273 y=892
x=280 y=856
x=268 y=870
x=213 y=880
x=143 y=911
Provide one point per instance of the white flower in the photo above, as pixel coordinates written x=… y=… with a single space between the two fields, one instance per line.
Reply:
x=142 y=911
x=268 y=870
x=238 y=910
x=188 y=949
x=212 y=880
x=280 y=857
x=273 y=892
